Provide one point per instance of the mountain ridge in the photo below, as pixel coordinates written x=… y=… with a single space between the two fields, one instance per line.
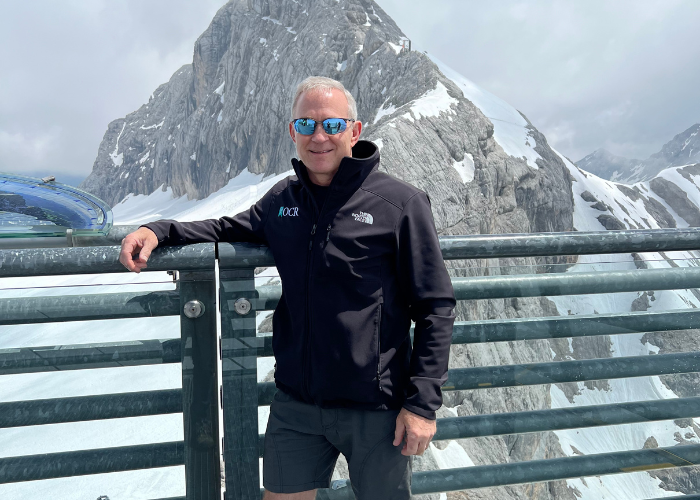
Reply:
x=683 y=149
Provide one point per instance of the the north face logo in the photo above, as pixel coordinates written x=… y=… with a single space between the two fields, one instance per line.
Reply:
x=364 y=217
x=288 y=212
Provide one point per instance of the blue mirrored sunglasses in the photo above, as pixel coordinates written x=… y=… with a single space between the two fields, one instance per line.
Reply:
x=331 y=126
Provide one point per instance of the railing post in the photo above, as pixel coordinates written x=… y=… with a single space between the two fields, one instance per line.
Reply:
x=200 y=401
x=239 y=346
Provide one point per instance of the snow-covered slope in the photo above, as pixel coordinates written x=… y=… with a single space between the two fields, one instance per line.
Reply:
x=632 y=207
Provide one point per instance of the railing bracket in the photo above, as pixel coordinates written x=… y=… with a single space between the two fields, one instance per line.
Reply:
x=194 y=309
x=242 y=306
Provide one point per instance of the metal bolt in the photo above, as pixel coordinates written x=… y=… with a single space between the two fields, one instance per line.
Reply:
x=194 y=309
x=242 y=306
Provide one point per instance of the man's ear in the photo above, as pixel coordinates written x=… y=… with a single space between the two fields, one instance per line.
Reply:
x=356 y=131
x=292 y=133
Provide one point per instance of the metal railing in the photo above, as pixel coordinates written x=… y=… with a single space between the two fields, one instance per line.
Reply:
x=239 y=299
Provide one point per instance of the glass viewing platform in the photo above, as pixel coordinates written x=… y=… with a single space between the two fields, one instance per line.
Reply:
x=35 y=212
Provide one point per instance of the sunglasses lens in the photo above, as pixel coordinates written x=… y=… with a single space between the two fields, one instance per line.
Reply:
x=333 y=126
x=304 y=126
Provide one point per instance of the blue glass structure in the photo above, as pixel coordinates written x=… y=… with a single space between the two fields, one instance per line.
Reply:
x=33 y=208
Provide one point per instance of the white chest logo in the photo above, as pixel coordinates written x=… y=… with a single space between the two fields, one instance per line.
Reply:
x=364 y=217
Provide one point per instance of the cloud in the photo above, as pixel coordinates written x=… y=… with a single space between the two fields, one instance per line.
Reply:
x=619 y=73
x=76 y=65
x=587 y=74
x=29 y=150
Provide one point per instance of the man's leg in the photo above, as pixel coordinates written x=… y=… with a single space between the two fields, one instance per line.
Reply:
x=297 y=457
x=378 y=470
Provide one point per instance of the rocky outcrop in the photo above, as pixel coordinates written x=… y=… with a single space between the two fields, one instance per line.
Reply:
x=677 y=199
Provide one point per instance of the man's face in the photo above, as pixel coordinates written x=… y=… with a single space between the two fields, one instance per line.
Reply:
x=321 y=152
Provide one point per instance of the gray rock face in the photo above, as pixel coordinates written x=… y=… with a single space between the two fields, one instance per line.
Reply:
x=677 y=199
x=683 y=149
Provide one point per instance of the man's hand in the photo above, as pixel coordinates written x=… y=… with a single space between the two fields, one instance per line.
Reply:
x=141 y=242
x=417 y=430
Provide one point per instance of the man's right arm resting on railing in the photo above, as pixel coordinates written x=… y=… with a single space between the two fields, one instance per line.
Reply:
x=246 y=226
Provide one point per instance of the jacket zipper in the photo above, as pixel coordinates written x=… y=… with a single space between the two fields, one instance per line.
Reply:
x=328 y=233
x=379 y=348
x=304 y=382
x=309 y=265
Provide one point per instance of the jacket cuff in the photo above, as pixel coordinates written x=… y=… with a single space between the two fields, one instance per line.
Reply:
x=429 y=414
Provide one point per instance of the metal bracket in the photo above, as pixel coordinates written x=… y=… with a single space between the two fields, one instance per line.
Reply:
x=193 y=309
x=242 y=306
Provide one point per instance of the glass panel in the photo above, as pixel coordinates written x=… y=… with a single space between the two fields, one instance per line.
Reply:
x=30 y=207
x=121 y=336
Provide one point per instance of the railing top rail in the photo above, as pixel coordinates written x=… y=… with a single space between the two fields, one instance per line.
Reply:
x=569 y=243
x=96 y=260
x=90 y=259
x=487 y=246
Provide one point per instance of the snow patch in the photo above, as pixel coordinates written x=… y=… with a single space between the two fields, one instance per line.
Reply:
x=275 y=21
x=432 y=103
x=193 y=156
x=145 y=158
x=156 y=126
x=384 y=111
x=396 y=48
x=510 y=128
x=465 y=168
x=454 y=456
x=118 y=159
x=375 y=14
x=220 y=89
x=341 y=65
x=239 y=194
x=379 y=143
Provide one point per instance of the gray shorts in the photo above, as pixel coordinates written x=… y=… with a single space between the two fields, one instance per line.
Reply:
x=303 y=441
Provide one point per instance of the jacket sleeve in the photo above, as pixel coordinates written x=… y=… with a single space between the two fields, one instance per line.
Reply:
x=423 y=275
x=248 y=225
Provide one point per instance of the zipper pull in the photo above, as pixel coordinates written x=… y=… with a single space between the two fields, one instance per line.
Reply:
x=311 y=241
x=328 y=234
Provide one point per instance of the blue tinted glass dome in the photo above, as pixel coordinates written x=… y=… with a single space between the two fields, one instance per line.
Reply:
x=31 y=208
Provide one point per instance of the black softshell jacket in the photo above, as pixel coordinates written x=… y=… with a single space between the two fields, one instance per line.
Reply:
x=354 y=273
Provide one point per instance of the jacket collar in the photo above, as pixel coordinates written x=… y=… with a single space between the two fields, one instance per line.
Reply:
x=352 y=171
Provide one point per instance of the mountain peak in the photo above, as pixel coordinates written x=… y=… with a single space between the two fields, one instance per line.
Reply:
x=683 y=149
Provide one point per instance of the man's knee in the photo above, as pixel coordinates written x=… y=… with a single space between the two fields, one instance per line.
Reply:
x=302 y=495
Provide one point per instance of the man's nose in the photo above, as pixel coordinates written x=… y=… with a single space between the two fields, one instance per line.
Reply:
x=319 y=134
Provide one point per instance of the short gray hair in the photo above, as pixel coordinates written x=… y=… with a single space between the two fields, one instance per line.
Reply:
x=323 y=83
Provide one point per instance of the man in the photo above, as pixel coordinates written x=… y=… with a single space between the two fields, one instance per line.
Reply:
x=359 y=258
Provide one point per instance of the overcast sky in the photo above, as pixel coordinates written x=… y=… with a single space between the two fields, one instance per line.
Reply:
x=589 y=74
